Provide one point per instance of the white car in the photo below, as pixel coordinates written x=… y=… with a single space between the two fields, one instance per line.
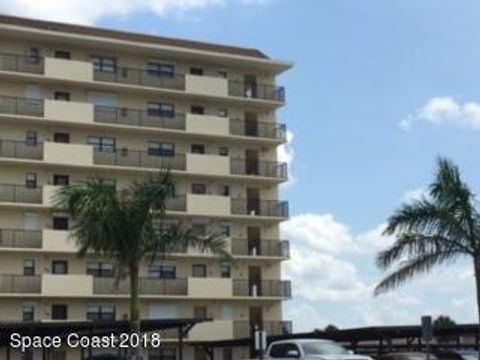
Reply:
x=310 y=349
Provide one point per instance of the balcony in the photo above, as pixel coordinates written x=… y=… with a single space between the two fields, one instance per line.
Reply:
x=244 y=329
x=58 y=241
x=262 y=288
x=256 y=91
x=20 y=239
x=21 y=150
x=71 y=285
x=267 y=130
x=20 y=194
x=256 y=207
x=136 y=117
x=270 y=169
x=148 y=286
x=19 y=284
x=68 y=154
x=66 y=69
x=212 y=331
x=20 y=63
x=209 y=288
x=207 y=125
x=208 y=164
x=206 y=85
x=68 y=111
x=208 y=205
x=140 y=77
x=261 y=248
x=21 y=106
x=142 y=159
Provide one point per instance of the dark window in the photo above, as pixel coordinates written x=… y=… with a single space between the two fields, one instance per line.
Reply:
x=105 y=144
x=225 y=270
x=227 y=354
x=281 y=350
x=29 y=267
x=62 y=54
x=59 y=267
x=200 y=312
x=199 y=270
x=100 y=269
x=199 y=189
x=62 y=95
x=33 y=55
x=197 y=149
x=222 y=112
x=104 y=63
x=31 y=180
x=160 y=109
x=198 y=229
x=199 y=353
x=223 y=73
x=63 y=138
x=224 y=230
x=60 y=223
x=101 y=312
x=223 y=151
x=61 y=180
x=59 y=312
x=28 y=312
x=196 y=71
x=160 y=69
x=159 y=271
x=28 y=354
x=196 y=109
x=225 y=190
x=157 y=148
x=31 y=138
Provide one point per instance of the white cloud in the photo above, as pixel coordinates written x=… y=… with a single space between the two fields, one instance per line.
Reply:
x=91 y=11
x=415 y=194
x=446 y=111
x=286 y=153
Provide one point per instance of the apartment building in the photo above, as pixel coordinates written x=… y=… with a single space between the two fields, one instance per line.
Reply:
x=77 y=102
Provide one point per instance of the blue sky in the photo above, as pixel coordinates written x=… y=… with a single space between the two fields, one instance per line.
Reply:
x=378 y=91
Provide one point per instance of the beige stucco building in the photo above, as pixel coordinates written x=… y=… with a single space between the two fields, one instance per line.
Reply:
x=77 y=102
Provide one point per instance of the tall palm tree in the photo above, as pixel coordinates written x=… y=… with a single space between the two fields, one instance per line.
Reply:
x=435 y=230
x=124 y=226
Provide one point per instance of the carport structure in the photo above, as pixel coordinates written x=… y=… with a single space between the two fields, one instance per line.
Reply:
x=90 y=328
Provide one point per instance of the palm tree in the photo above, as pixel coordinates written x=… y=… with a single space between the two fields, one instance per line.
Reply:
x=124 y=226
x=435 y=230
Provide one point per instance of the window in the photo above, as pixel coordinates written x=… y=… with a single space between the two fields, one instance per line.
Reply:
x=33 y=55
x=196 y=109
x=199 y=353
x=227 y=354
x=106 y=144
x=100 y=269
x=62 y=54
x=223 y=151
x=63 y=138
x=60 y=222
x=31 y=138
x=199 y=188
x=197 y=149
x=162 y=271
x=199 y=270
x=101 y=312
x=198 y=229
x=222 y=112
x=59 y=312
x=160 y=109
x=59 y=267
x=31 y=180
x=200 y=312
x=160 y=69
x=28 y=312
x=60 y=180
x=222 y=73
x=282 y=350
x=104 y=63
x=29 y=267
x=224 y=190
x=224 y=230
x=225 y=270
x=196 y=71
x=61 y=95
x=156 y=148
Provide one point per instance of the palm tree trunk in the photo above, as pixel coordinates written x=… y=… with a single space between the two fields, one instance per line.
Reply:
x=135 y=353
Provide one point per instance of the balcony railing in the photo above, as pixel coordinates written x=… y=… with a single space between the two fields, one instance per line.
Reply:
x=21 y=106
x=261 y=248
x=276 y=288
x=136 y=117
x=256 y=207
x=148 y=286
x=258 y=129
x=256 y=91
x=20 y=194
x=19 y=284
x=244 y=329
x=141 y=77
x=135 y=158
x=12 y=238
x=272 y=169
x=177 y=203
x=20 y=149
x=21 y=63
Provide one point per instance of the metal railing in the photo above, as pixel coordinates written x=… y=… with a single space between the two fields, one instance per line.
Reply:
x=148 y=286
x=137 y=117
x=12 y=238
x=258 y=129
x=177 y=203
x=135 y=158
x=21 y=63
x=276 y=288
x=20 y=194
x=141 y=77
x=261 y=248
x=20 y=284
x=244 y=329
x=271 y=169
x=21 y=106
x=256 y=91
x=20 y=149
x=255 y=207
